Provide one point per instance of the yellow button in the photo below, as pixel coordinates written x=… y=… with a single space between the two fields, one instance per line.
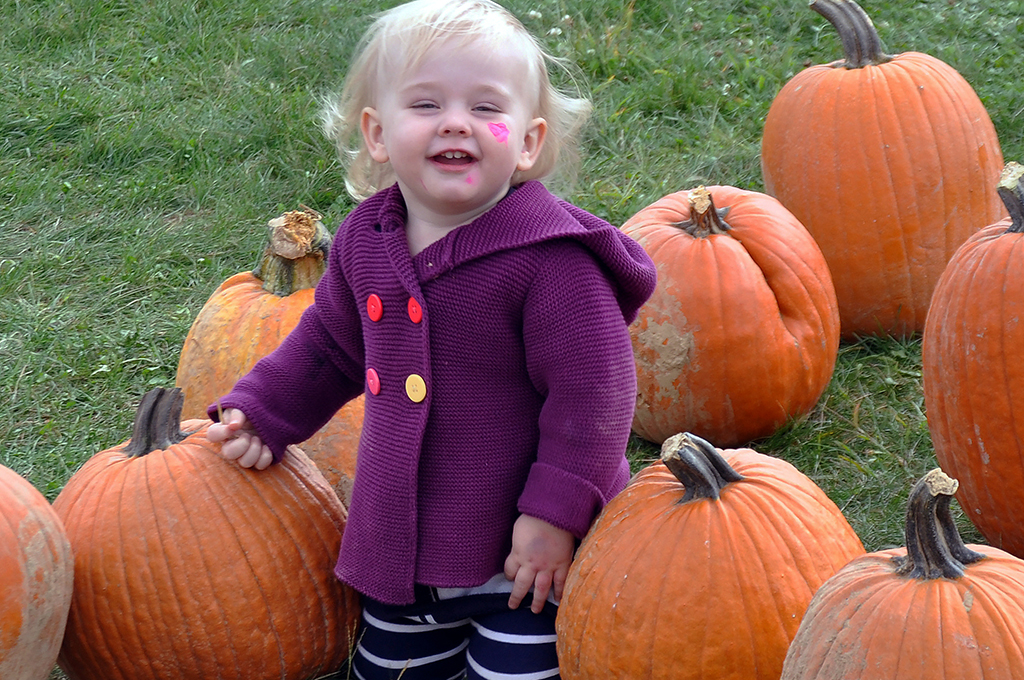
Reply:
x=416 y=388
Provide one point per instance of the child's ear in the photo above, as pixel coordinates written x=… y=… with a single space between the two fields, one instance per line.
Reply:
x=373 y=134
x=532 y=144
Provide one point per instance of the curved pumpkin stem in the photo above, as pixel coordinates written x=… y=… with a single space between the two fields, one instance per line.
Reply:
x=1011 y=190
x=698 y=466
x=157 y=422
x=934 y=546
x=296 y=256
x=705 y=219
x=861 y=44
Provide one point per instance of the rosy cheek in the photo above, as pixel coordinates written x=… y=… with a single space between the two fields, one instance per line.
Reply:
x=500 y=131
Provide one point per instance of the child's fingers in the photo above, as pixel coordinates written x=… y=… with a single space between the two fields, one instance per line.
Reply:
x=253 y=455
x=234 y=419
x=235 y=448
x=218 y=432
x=523 y=581
x=558 y=583
x=265 y=459
x=541 y=588
x=214 y=433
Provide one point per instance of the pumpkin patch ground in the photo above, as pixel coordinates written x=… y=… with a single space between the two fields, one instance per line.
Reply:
x=145 y=146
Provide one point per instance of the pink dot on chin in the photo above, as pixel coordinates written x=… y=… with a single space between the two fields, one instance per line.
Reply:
x=469 y=179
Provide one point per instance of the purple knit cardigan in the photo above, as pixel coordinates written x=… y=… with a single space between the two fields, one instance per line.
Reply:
x=516 y=326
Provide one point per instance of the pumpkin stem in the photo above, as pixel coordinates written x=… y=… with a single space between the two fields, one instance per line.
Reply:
x=1011 y=190
x=296 y=255
x=934 y=546
x=698 y=466
x=157 y=422
x=861 y=44
x=705 y=219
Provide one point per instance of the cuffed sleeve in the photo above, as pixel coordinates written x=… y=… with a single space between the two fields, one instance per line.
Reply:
x=580 y=358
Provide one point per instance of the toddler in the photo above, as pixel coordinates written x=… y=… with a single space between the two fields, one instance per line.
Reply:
x=486 y=322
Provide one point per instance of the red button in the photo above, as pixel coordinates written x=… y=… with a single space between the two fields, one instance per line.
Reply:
x=372 y=381
x=415 y=311
x=374 y=307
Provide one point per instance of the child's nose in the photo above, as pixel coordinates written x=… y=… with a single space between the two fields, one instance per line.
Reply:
x=455 y=124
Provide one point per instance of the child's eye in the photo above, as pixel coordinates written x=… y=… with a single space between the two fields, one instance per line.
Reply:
x=424 y=105
x=486 y=108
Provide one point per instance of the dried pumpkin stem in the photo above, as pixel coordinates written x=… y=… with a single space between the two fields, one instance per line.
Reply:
x=698 y=466
x=861 y=44
x=705 y=219
x=934 y=546
x=296 y=255
x=1011 y=190
x=157 y=422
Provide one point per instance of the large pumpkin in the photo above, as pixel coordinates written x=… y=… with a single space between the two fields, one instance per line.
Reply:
x=890 y=162
x=935 y=609
x=36 y=572
x=701 y=568
x=973 y=375
x=248 y=316
x=742 y=331
x=190 y=567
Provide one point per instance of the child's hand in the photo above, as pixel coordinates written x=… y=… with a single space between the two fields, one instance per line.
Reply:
x=540 y=558
x=241 y=443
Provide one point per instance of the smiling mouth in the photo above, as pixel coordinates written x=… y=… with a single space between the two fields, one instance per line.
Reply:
x=453 y=158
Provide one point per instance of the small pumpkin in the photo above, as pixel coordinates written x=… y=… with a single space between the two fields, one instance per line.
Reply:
x=890 y=161
x=700 y=568
x=248 y=316
x=36 y=575
x=934 y=609
x=972 y=376
x=189 y=566
x=742 y=331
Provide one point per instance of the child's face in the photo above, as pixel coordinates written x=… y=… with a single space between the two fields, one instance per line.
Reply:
x=455 y=128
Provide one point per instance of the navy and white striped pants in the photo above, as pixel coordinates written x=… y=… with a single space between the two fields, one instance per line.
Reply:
x=474 y=636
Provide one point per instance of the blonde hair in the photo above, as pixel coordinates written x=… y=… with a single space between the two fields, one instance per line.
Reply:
x=400 y=38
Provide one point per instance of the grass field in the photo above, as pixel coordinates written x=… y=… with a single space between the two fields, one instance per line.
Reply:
x=145 y=145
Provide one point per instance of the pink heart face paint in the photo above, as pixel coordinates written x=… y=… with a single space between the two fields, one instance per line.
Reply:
x=499 y=130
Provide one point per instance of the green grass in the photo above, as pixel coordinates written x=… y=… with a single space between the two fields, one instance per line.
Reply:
x=143 y=146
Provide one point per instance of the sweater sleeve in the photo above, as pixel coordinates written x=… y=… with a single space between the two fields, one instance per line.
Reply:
x=292 y=392
x=580 y=358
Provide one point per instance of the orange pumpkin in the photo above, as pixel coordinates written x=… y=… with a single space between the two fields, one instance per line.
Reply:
x=972 y=376
x=890 y=162
x=36 y=572
x=935 y=609
x=188 y=566
x=701 y=568
x=742 y=331
x=248 y=316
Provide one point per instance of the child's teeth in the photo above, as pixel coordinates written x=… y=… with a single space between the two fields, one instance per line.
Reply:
x=455 y=154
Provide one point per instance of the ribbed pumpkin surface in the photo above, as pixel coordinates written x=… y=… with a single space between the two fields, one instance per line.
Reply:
x=189 y=567
x=239 y=325
x=974 y=381
x=869 y=624
x=935 y=609
x=36 y=571
x=890 y=166
x=669 y=590
x=742 y=331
